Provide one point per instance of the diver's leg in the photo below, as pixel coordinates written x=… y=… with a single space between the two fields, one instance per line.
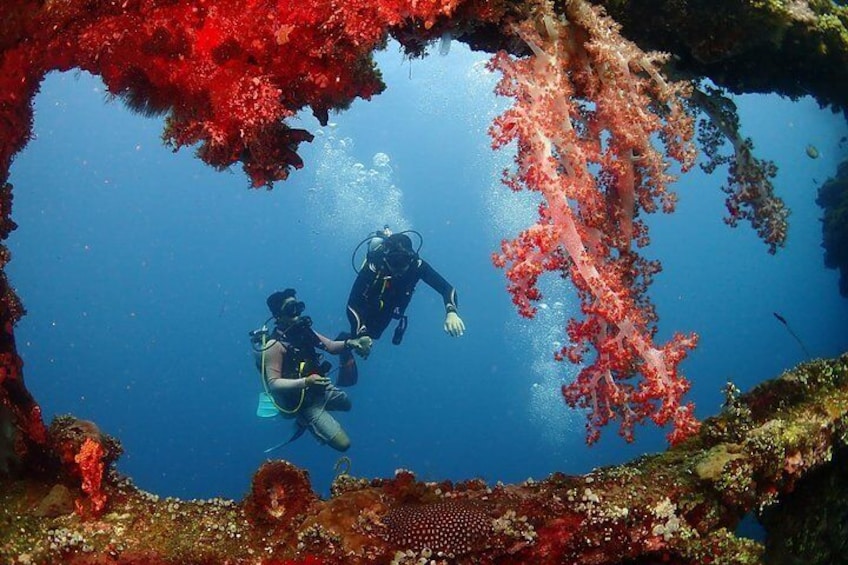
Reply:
x=324 y=426
x=336 y=400
x=340 y=441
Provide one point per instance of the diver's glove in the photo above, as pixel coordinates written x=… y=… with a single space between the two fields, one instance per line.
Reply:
x=361 y=345
x=453 y=324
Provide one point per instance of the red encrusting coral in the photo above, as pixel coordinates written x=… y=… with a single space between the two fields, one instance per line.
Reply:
x=589 y=100
x=20 y=416
x=308 y=560
x=228 y=74
x=36 y=430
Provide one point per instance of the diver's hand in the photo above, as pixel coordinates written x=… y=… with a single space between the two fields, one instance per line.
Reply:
x=454 y=325
x=361 y=345
x=316 y=380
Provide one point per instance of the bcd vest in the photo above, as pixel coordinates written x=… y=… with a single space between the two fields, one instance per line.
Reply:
x=302 y=357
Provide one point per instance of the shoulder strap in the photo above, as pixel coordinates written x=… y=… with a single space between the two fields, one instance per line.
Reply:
x=268 y=392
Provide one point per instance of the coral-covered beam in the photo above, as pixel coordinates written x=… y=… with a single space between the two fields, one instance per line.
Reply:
x=676 y=507
x=23 y=436
x=794 y=49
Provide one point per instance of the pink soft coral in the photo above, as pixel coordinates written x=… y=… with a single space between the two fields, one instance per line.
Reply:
x=587 y=105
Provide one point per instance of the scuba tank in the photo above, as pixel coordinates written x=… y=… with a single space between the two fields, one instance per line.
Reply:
x=377 y=238
x=374 y=242
x=266 y=407
x=259 y=336
x=375 y=247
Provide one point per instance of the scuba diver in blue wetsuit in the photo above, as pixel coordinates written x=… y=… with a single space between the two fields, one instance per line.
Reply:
x=383 y=289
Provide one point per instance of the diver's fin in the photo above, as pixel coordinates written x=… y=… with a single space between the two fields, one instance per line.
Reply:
x=348 y=373
x=297 y=433
x=266 y=408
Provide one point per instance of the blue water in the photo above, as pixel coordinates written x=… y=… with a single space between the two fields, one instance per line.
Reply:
x=143 y=270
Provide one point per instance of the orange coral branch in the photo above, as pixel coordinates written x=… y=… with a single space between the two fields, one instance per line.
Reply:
x=90 y=462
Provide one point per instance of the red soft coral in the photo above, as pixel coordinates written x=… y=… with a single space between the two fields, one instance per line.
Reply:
x=90 y=462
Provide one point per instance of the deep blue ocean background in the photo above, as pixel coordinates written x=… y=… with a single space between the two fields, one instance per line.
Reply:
x=143 y=271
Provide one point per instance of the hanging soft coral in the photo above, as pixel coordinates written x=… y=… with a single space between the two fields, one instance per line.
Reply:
x=589 y=100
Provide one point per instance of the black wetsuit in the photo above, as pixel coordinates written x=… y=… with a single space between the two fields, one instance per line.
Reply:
x=378 y=296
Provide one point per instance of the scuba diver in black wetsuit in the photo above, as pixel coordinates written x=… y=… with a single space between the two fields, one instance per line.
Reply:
x=383 y=289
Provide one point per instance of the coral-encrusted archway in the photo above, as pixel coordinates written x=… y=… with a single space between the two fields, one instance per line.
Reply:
x=227 y=75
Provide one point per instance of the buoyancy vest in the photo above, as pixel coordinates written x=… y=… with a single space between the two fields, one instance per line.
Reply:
x=391 y=291
x=302 y=357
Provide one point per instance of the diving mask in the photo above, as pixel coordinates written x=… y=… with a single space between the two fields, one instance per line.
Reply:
x=292 y=309
x=398 y=261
